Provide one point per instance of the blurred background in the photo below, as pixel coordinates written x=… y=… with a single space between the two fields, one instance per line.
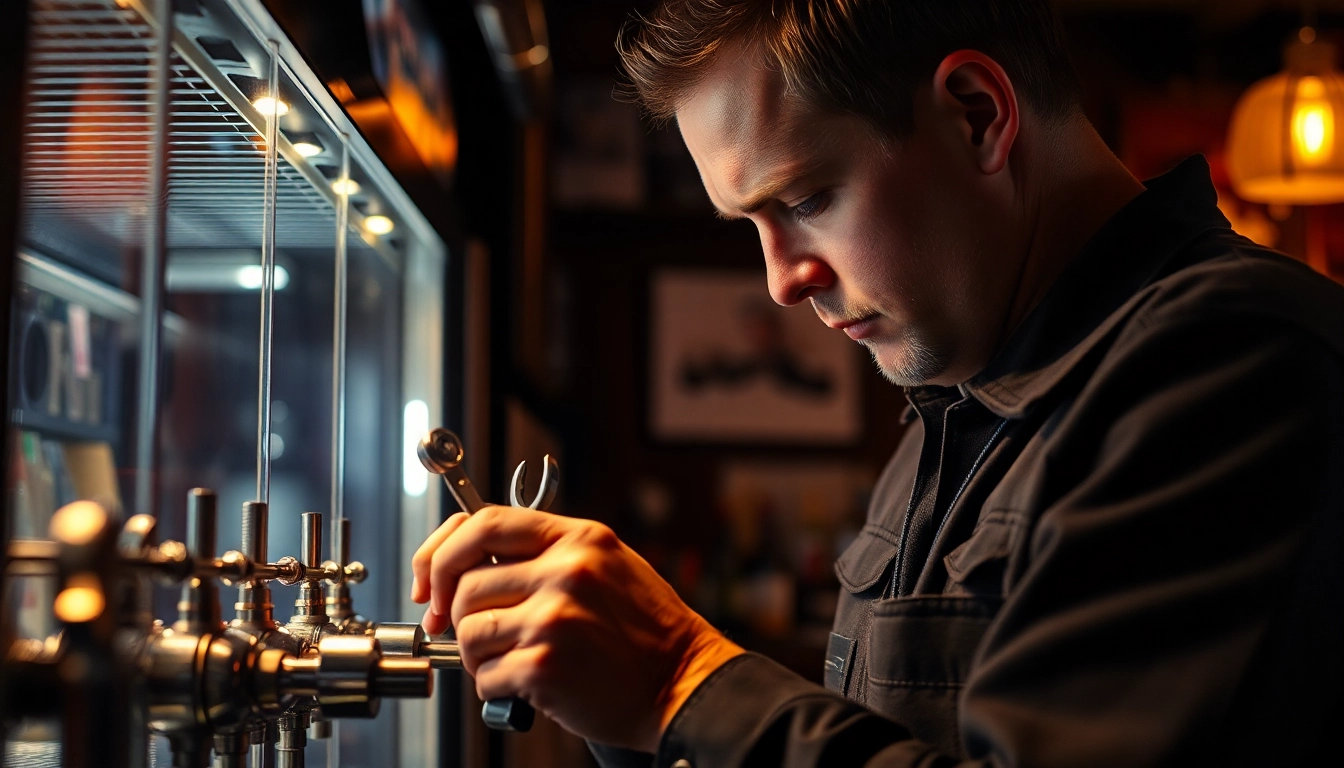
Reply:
x=607 y=225
x=614 y=238
x=588 y=304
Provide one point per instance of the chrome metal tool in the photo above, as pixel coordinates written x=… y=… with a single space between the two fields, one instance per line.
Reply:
x=441 y=452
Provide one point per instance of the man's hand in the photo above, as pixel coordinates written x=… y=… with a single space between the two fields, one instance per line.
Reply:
x=572 y=620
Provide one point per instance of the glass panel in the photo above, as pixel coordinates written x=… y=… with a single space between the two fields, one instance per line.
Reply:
x=88 y=216
x=86 y=208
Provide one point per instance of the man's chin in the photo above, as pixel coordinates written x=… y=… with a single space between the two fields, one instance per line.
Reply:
x=907 y=364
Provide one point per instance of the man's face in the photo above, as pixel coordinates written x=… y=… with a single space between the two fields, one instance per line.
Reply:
x=906 y=246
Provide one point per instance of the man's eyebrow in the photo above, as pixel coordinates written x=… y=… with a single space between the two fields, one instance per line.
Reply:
x=767 y=191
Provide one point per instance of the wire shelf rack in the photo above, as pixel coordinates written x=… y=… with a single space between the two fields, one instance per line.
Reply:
x=88 y=145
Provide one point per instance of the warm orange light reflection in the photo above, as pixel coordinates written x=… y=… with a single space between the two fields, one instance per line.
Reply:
x=78 y=522
x=1313 y=123
x=81 y=601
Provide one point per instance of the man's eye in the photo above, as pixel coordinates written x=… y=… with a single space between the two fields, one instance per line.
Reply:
x=811 y=207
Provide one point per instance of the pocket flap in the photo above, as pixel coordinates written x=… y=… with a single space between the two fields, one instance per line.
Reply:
x=866 y=559
x=992 y=541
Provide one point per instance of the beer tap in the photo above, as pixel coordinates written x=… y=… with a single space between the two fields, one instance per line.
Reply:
x=254 y=616
x=311 y=624
x=309 y=620
x=396 y=638
x=340 y=608
x=194 y=671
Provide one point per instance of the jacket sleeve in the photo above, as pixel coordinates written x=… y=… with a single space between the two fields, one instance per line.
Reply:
x=1173 y=609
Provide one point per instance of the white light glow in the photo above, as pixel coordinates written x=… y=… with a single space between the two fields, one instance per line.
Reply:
x=378 y=225
x=269 y=106
x=249 y=276
x=415 y=479
x=345 y=187
x=307 y=148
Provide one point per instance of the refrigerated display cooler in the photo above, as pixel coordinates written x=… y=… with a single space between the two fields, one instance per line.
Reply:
x=218 y=285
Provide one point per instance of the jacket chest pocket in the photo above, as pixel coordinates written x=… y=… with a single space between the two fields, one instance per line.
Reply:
x=979 y=566
x=920 y=651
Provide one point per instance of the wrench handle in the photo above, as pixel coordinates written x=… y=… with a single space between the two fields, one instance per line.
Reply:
x=441 y=452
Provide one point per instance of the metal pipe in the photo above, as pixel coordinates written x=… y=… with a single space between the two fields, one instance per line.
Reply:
x=293 y=739
x=202 y=517
x=310 y=542
x=340 y=542
x=230 y=750
x=254 y=607
x=338 y=345
x=153 y=266
x=340 y=526
x=198 y=608
x=256 y=523
x=268 y=284
x=261 y=740
x=310 y=607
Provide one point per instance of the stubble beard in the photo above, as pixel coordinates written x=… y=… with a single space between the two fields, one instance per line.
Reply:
x=916 y=363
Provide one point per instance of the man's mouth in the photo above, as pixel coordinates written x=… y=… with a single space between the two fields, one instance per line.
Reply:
x=856 y=329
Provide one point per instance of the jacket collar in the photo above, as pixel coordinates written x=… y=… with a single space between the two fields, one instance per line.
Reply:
x=1083 y=306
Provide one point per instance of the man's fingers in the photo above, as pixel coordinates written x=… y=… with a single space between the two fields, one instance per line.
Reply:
x=487 y=634
x=433 y=623
x=493 y=586
x=500 y=531
x=514 y=674
x=421 y=560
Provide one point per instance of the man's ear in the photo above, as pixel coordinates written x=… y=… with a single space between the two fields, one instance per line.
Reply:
x=975 y=90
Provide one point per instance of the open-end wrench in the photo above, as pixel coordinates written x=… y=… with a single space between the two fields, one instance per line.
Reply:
x=550 y=482
x=441 y=452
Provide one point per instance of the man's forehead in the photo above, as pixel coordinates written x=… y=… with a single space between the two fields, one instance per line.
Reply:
x=738 y=122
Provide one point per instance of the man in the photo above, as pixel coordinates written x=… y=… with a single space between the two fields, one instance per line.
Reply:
x=1112 y=534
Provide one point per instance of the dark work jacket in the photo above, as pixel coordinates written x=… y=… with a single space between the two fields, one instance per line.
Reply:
x=1121 y=544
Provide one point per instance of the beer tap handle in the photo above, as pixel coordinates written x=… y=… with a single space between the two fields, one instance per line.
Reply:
x=198 y=609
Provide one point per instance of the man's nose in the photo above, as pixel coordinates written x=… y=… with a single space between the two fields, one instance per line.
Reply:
x=794 y=273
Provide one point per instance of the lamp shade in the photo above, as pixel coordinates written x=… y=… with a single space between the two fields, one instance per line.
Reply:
x=1286 y=141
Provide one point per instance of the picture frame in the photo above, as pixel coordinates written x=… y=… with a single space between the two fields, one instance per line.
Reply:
x=728 y=365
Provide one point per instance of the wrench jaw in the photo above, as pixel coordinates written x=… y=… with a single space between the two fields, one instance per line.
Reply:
x=550 y=483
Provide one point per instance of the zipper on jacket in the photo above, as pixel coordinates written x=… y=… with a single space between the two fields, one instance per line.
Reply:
x=898 y=570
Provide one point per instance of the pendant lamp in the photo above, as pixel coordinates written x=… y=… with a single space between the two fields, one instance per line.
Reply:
x=1286 y=142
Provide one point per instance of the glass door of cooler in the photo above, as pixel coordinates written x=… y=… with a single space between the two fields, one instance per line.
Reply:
x=161 y=199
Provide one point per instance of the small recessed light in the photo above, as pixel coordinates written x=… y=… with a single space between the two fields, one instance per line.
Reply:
x=307 y=148
x=269 y=106
x=345 y=187
x=378 y=225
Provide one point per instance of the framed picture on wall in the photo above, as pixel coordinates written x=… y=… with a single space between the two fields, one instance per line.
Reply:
x=729 y=365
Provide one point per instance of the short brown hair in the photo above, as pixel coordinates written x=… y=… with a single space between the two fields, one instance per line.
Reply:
x=863 y=57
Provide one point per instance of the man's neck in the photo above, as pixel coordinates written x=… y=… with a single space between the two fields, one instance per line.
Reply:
x=1074 y=185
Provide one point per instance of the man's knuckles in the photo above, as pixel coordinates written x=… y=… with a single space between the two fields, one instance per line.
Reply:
x=575 y=571
x=597 y=535
x=529 y=672
x=469 y=596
